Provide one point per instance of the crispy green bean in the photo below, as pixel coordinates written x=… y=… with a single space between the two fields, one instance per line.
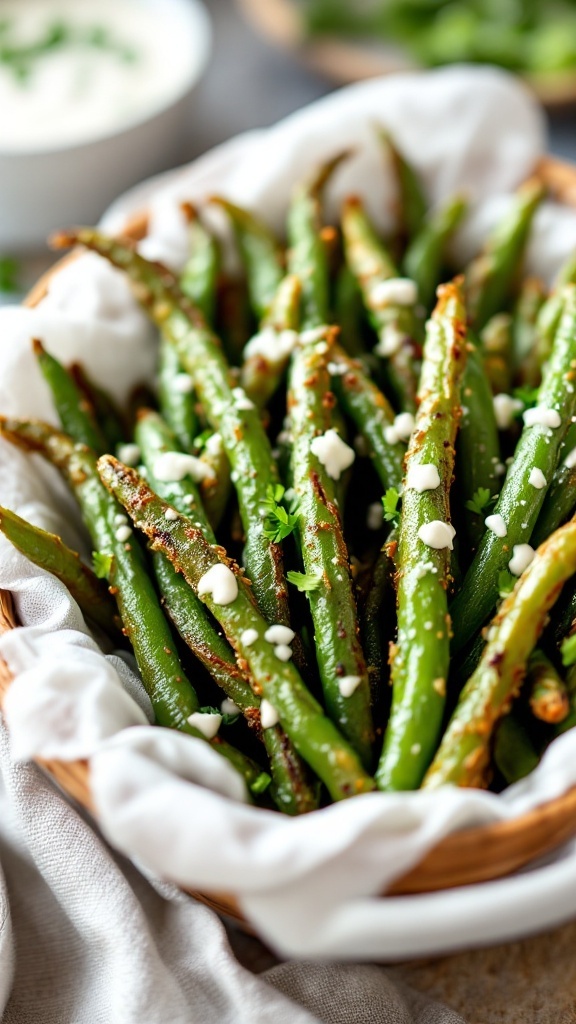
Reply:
x=420 y=657
x=464 y=754
x=491 y=275
x=229 y=598
x=424 y=257
x=524 y=488
x=228 y=409
x=51 y=553
x=389 y=300
x=172 y=695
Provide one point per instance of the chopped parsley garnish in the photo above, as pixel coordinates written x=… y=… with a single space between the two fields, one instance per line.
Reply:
x=506 y=583
x=102 y=564
x=390 y=502
x=278 y=522
x=304 y=581
x=568 y=650
x=481 y=501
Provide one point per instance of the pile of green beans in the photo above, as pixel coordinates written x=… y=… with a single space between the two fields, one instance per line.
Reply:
x=340 y=534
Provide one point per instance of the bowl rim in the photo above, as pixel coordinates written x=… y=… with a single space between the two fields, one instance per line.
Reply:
x=200 y=34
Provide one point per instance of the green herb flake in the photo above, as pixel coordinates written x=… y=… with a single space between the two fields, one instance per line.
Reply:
x=481 y=501
x=568 y=650
x=390 y=502
x=9 y=271
x=278 y=522
x=102 y=564
x=304 y=581
x=528 y=396
x=506 y=583
x=226 y=718
x=260 y=785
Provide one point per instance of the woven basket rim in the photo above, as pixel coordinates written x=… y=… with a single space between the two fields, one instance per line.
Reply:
x=464 y=857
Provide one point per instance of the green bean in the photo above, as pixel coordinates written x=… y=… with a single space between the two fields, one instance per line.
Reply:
x=261 y=255
x=424 y=258
x=491 y=276
x=267 y=354
x=514 y=753
x=348 y=309
x=389 y=301
x=496 y=348
x=477 y=448
x=173 y=698
x=420 y=657
x=412 y=201
x=464 y=754
x=324 y=553
x=51 y=553
x=547 y=694
x=526 y=360
x=198 y=280
x=291 y=787
x=372 y=414
x=524 y=488
x=228 y=410
x=105 y=411
x=313 y=734
x=75 y=414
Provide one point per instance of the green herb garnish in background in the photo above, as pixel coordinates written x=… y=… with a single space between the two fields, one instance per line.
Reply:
x=9 y=271
x=21 y=58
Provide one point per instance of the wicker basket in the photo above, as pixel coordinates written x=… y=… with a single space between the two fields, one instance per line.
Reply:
x=462 y=858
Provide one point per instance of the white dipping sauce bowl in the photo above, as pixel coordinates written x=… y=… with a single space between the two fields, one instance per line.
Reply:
x=42 y=189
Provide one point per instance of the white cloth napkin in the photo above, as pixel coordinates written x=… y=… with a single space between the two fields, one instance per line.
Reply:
x=310 y=885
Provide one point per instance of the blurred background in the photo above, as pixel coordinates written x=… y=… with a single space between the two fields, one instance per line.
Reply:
x=260 y=60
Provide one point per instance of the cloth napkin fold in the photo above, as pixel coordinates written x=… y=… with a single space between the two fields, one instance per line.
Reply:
x=86 y=939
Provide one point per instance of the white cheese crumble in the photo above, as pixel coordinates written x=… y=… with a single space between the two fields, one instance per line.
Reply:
x=334 y=454
x=374 y=515
x=272 y=346
x=337 y=369
x=123 y=533
x=522 y=555
x=496 y=524
x=395 y=291
x=129 y=454
x=213 y=445
x=220 y=582
x=283 y=652
x=537 y=478
x=207 y=722
x=401 y=429
x=347 y=685
x=248 y=637
x=241 y=400
x=120 y=519
x=171 y=515
x=268 y=714
x=505 y=408
x=183 y=383
x=437 y=534
x=541 y=416
x=279 y=634
x=570 y=460
x=228 y=707
x=314 y=334
x=170 y=467
x=424 y=477
x=390 y=340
